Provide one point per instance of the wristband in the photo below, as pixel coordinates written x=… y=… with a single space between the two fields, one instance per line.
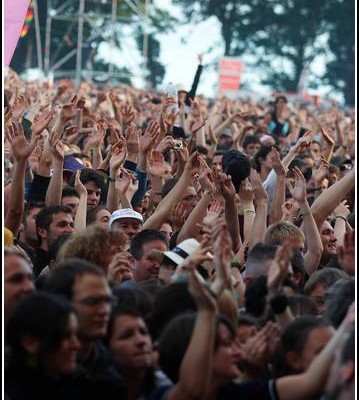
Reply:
x=109 y=179
x=249 y=210
x=341 y=217
x=279 y=303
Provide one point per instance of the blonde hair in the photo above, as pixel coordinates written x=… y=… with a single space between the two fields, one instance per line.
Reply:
x=92 y=245
x=279 y=232
x=14 y=250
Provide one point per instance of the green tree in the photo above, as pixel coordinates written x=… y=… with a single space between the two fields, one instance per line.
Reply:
x=341 y=71
x=281 y=34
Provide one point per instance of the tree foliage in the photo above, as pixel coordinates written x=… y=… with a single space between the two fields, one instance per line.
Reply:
x=285 y=33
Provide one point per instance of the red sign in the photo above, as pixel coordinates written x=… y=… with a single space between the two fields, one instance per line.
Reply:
x=230 y=69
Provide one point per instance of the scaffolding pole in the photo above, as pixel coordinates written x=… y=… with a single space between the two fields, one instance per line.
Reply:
x=38 y=36
x=80 y=42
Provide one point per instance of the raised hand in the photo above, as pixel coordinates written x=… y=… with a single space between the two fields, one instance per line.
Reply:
x=200 y=293
x=118 y=156
x=78 y=185
x=157 y=165
x=132 y=137
x=342 y=209
x=68 y=111
x=297 y=185
x=119 y=268
x=150 y=137
x=167 y=121
x=41 y=122
x=128 y=114
x=19 y=107
x=56 y=147
x=246 y=194
x=304 y=142
x=277 y=164
x=166 y=143
x=222 y=247
x=178 y=215
x=193 y=164
x=21 y=148
x=97 y=137
x=320 y=171
x=346 y=253
x=206 y=180
x=279 y=268
x=259 y=192
x=123 y=180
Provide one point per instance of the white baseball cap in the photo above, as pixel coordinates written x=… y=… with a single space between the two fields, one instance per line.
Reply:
x=125 y=213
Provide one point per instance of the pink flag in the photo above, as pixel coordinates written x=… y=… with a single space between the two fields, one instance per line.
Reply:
x=14 y=16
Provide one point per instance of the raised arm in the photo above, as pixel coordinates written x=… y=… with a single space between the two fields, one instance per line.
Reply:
x=165 y=206
x=21 y=151
x=227 y=190
x=275 y=214
x=53 y=193
x=190 y=228
x=297 y=188
x=80 y=217
x=260 y=220
x=325 y=204
x=199 y=353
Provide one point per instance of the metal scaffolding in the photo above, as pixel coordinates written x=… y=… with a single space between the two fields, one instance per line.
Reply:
x=60 y=10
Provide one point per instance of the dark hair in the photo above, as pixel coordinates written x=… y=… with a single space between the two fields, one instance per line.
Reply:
x=280 y=97
x=250 y=139
x=301 y=304
x=294 y=339
x=56 y=244
x=340 y=296
x=175 y=339
x=69 y=191
x=135 y=299
x=143 y=237
x=201 y=149
x=326 y=277
x=29 y=207
x=118 y=310
x=61 y=279
x=91 y=214
x=149 y=380
x=89 y=175
x=264 y=150
x=171 y=300
x=246 y=320
x=259 y=254
x=44 y=217
x=42 y=316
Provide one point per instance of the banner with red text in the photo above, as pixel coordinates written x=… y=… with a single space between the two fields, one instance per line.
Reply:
x=230 y=71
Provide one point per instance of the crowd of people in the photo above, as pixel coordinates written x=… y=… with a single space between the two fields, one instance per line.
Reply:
x=176 y=247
